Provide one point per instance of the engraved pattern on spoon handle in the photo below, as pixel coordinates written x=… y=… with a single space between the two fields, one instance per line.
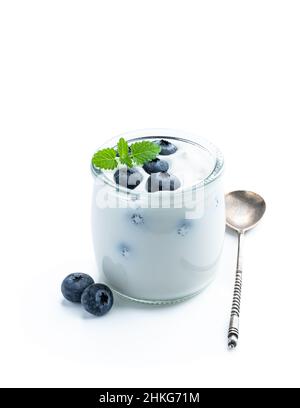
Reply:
x=233 y=332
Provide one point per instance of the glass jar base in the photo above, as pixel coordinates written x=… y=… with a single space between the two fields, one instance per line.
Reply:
x=159 y=302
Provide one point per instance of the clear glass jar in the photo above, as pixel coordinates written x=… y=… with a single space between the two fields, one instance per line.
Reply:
x=160 y=247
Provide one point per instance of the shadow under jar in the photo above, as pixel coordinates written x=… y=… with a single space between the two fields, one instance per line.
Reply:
x=163 y=246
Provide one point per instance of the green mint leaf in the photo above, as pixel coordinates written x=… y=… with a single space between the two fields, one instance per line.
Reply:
x=123 y=148
x=142 y=152
x=127 y=161
x=105 y=159
x=123 y=151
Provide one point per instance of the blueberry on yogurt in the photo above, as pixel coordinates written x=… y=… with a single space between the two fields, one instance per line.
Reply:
x=162 y=182
x=73 y=286
x=166 y=148
x=97 y=299
x=156 y=166
x=129 y=178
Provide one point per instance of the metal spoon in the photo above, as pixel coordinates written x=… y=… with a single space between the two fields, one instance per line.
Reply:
x=244 y=210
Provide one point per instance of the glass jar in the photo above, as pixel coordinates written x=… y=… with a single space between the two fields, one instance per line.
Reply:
x=161 y=247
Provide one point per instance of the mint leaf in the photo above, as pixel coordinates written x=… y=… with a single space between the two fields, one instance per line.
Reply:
x=127 y=161
x=123 y=150
x=142 y=152
x=105 y=159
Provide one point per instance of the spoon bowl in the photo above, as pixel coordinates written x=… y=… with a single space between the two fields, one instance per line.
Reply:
x=244 y=209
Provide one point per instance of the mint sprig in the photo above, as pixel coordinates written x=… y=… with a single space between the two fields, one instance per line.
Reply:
x=137 y=154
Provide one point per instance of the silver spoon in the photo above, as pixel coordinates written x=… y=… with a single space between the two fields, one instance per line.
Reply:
x=244 y=210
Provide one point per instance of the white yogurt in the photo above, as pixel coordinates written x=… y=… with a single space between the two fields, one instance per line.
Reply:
x=160 y=254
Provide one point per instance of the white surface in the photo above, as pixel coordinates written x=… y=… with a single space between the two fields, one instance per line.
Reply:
x=74 y=73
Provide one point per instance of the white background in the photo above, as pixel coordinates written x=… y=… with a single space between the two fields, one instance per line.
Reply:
x=76 y=73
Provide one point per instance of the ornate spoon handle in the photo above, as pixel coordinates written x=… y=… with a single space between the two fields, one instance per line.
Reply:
x=233 y=332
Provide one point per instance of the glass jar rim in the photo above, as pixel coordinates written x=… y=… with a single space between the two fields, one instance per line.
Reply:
x=156 y=133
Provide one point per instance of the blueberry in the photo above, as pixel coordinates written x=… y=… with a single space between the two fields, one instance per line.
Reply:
x=162 y=182
x=156 y=166
x=97 y=299
x=73 y=286
x=129 y=178
x=125 y=252
x=166 y=147
x=183 y=230
x=137 y=219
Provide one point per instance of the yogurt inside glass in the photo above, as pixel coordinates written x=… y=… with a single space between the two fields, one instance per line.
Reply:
x=162 y=246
